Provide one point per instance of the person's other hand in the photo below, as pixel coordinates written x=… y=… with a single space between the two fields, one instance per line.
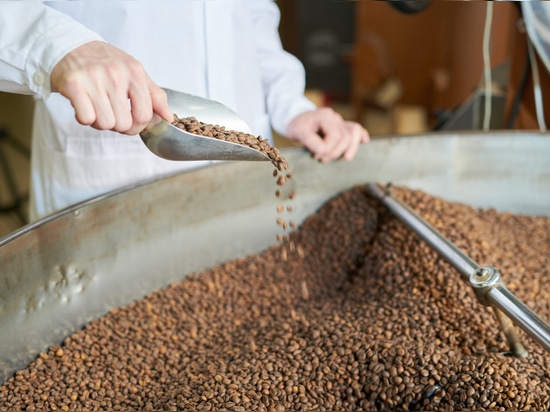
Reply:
x=327 y=135
x=109 y=89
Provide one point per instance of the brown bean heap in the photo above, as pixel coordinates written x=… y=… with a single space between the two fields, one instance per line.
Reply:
x=194 y=126
x=367 y=317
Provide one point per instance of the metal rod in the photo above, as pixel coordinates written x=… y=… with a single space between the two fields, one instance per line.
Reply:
x=486 y=281
x=522 y=316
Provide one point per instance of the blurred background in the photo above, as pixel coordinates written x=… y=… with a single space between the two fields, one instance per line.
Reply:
x=407 y=71
x=397 y=67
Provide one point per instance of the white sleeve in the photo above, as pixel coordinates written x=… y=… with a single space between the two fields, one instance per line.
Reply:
x=283 y=75
x=537 y=22
x=33 y=38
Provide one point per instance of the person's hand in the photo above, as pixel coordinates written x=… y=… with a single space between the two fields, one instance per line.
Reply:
x=109 y=89
x=327 y=135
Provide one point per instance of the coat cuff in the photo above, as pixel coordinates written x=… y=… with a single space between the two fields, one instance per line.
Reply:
x=49 y=48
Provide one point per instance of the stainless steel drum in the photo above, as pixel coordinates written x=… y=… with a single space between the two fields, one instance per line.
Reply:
x=65 y=270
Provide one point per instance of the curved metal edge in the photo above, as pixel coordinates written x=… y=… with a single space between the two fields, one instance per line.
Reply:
x=205 y=110
x=78 y=262
x=171 y=143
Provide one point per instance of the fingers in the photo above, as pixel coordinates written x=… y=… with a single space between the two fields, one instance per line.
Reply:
x=331 y=128
x=109 y=89
x=335 y=143
x=313 y=142
x=358 y=135
x=141 y=113
x=327 y=135
x=159 y=101
x=85 y=112
x=122 y=111
x=113 y=111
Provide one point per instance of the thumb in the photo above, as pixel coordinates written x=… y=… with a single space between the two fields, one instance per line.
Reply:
x=159 y=101
x=313 y=142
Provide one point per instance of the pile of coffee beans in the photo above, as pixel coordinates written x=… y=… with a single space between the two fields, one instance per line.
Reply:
x=194 y=126
x=281 y=173
x=365 y=317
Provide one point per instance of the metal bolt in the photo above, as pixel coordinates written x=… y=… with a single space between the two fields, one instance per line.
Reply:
x=482 y=274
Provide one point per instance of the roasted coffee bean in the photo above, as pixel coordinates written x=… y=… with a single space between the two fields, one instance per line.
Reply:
x=281 y=222
x=364 y=316
x=192 y=125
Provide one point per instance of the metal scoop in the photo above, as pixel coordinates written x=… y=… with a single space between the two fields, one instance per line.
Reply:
x=169 y=142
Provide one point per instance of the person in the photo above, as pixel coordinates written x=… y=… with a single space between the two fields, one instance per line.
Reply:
x=97 y=70
x=536 y=16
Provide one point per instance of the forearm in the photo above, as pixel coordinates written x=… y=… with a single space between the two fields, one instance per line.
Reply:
x=33 y=38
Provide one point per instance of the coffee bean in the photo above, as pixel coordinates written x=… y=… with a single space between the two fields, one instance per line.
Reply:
x=351 y=312
x=281 y=180
x=192 y=125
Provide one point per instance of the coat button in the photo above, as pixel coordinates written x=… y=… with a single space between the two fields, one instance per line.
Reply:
x=39 y=77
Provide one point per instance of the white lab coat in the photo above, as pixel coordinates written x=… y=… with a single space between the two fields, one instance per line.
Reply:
x=226 y=50
x=536 y=15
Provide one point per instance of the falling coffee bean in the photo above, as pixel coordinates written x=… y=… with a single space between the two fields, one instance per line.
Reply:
x=362 y=316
